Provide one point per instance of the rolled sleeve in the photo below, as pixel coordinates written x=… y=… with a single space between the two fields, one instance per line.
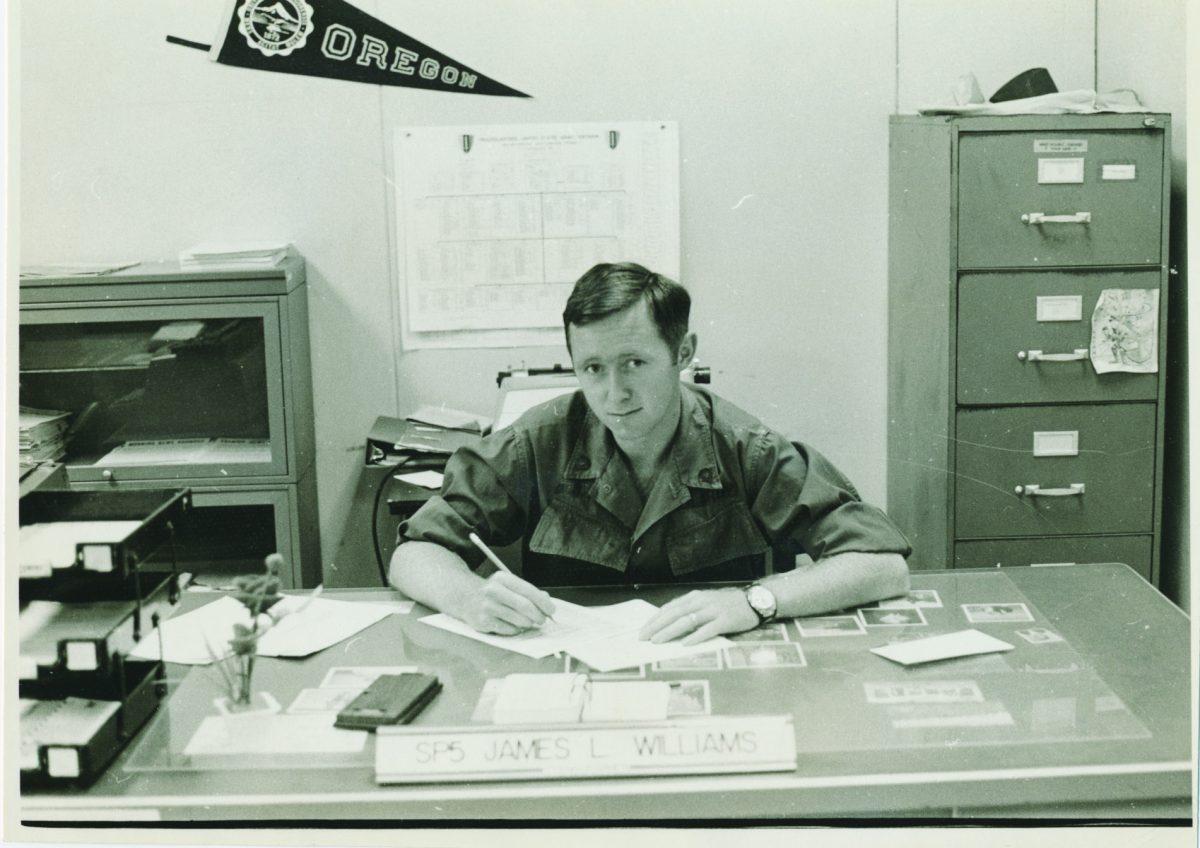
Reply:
x=802 y=501
x=484 y=491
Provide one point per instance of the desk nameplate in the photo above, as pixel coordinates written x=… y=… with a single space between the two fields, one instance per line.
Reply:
x=701 y=745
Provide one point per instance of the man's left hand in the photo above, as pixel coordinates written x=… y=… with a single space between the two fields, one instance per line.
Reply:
x=701 y=615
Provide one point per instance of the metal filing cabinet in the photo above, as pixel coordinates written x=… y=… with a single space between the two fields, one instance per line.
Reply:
x=1005 y=446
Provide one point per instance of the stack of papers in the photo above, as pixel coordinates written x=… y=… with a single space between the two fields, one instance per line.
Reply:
x=415 y=439
x=450 y=419
x=606 y=638
x=313 y=626
x=41 y=436
x=188 y=452
x=234 y=255
x=75 y=269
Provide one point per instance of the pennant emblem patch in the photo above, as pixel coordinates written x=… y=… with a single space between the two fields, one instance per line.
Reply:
x=275 y=27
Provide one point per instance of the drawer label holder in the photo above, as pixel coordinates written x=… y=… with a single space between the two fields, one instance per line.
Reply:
x=1060 y=307
x=699 y=745
x=1056 y=443
x=1060 y=170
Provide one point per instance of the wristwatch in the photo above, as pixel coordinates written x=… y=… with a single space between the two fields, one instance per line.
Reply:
x=762 y=601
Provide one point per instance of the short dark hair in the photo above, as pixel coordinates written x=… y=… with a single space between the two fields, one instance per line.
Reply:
x=611 y=287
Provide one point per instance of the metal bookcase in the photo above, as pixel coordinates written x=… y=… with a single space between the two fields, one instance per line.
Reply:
x=190 y=378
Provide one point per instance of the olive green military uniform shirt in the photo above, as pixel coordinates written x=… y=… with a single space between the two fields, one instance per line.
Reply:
x=729 y=490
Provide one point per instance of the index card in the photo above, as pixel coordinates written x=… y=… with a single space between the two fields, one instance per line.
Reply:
x=632 y=700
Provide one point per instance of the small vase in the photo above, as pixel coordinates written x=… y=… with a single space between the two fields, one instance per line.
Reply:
x=260 y=703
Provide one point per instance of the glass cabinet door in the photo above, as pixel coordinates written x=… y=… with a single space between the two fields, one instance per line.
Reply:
x=230 y=533
x=159 y=392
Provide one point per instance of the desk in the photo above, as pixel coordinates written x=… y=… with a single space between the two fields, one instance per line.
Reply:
x=1113 y=622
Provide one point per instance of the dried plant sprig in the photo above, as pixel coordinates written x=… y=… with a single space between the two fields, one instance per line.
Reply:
x=258 y=593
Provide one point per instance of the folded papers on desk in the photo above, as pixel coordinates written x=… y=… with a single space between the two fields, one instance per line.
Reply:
x=604 y=637
x=187 y=638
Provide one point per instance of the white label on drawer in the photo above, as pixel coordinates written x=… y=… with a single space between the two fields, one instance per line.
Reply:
x=35 y=570
x=1056 y=443
x=1060 y=170
x=1060 y=145
x=1049 y=564
x=62 y=762
x=97 y=558
x=81 y=656
x=1060 y=307
x=1127 y=171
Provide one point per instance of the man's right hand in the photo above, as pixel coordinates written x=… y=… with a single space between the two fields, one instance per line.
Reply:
x=506 y=604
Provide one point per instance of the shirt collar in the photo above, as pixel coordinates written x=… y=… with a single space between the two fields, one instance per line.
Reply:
x=691 y=452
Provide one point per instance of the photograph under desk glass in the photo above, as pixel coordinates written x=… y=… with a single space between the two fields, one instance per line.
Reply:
x=152 y=393
x=844 y=700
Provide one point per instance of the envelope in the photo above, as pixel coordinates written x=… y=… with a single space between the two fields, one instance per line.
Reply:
x=961 y=643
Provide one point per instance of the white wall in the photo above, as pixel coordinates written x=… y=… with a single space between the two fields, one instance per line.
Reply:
x=133 y=147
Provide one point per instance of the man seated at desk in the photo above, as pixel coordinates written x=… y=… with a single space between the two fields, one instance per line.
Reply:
x=641 y=478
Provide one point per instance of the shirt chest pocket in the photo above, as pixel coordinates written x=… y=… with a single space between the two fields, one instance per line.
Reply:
x=580 y=531
x=701 y=538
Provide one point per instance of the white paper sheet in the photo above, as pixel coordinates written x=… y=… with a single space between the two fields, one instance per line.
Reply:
x=606 y=637
x=322 y=623
x=427 y=479
x=569 y=620
x=497 y=222
x=627 y=650
x=299 y=733
x=961 y=643
x=518 y=401
x=1125 y=331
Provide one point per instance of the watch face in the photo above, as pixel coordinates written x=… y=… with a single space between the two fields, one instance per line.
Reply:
x=761 y=601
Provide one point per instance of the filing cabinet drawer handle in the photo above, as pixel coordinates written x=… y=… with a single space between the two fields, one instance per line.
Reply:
x=1039 y=218
x=1039 y=356
x=1035 y=489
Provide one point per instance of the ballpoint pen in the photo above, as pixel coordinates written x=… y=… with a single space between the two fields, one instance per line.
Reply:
x=495 y=560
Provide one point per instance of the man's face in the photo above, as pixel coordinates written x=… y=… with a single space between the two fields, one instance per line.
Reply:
x=629 y=376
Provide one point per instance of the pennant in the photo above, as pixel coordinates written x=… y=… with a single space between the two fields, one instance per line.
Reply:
x=332 y=39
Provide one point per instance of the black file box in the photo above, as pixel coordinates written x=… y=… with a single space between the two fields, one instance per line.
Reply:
x=110 y=569
x=82 y=649
x=77 y=765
